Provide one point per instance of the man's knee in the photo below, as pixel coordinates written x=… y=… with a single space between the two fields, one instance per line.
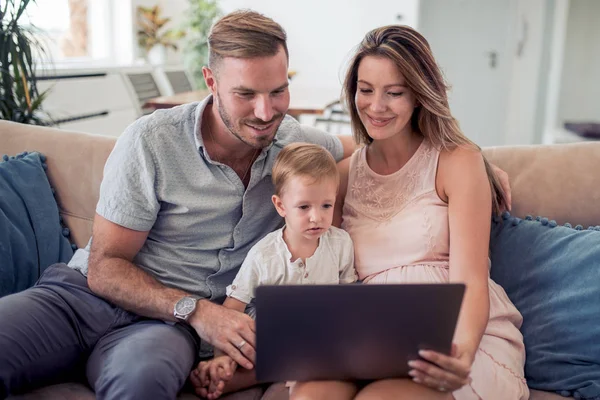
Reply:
x=140 y=379
x=34 y=348
x=141 y=361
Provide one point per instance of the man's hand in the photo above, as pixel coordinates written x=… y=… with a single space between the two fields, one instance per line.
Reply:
x=505 y=183
x=230 y=331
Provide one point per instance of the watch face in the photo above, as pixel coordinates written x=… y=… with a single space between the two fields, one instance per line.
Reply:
x=185 y=306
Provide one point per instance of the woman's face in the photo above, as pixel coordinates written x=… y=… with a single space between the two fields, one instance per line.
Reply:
x=384 y=102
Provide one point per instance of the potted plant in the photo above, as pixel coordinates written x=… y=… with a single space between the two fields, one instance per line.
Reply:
x=200 y=17
x=152 y=36
x=20 y=100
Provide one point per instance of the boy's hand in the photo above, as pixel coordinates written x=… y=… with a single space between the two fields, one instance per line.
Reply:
x=210 y=377
x=220 y=369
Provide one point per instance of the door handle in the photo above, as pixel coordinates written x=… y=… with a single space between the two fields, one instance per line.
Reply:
x=493 y=56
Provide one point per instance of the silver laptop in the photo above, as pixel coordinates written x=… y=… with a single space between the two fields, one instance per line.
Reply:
x=351 y=332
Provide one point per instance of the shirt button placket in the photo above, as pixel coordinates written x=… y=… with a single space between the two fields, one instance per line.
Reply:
x=303 y=265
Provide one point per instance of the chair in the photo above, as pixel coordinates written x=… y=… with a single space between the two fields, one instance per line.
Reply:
x=145 y=88
x=179 y=81
x=334 y=119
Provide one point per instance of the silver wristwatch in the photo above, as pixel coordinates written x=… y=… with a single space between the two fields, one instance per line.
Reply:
x=185 y=307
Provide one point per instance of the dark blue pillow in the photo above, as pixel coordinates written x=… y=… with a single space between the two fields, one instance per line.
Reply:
x=31 y=236
x=552 y=275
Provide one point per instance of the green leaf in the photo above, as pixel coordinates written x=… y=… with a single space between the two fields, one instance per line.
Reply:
x=199 y=19
x=19 y=97
x=37 y=103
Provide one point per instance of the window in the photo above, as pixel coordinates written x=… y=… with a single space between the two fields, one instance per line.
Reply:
x=74 y=31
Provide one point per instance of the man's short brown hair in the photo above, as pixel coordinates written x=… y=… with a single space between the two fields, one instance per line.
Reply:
x=244 y=34
x=305 y=160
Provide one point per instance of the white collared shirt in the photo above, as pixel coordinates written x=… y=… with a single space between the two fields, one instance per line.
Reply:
x=269 y=263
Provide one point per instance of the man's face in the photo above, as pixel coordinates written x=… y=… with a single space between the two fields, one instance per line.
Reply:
x=251 y=96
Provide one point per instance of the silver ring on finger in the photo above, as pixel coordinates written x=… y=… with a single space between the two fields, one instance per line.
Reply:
x=241 y=344
x=442 y=389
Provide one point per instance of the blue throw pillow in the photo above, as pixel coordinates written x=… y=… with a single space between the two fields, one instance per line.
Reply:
x=31 y=236
x=552 y=275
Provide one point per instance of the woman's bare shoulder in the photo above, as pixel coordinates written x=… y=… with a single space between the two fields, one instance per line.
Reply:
x=461 y=158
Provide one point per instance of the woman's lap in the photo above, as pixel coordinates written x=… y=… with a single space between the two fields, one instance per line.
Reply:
x=497 y=372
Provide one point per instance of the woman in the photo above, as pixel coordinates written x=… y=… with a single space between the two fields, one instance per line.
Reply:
x=416 y=201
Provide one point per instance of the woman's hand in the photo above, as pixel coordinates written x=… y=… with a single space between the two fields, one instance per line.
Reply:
x=442 y=372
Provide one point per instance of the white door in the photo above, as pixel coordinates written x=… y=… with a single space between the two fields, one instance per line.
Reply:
x=470 y=41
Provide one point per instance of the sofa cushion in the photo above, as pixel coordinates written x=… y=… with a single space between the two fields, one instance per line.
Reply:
x=75 y=164
x=552 y=275
x=79 y=391
x=31 y=236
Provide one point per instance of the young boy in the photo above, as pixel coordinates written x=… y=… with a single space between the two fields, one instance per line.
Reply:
x=307 y=250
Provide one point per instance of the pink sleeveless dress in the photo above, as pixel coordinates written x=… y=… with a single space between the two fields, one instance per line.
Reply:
x=399 y=226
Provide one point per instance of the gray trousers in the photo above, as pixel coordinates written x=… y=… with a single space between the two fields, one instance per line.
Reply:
x=59 y=329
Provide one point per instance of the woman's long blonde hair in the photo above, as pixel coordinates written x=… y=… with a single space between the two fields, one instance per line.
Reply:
x=410 y=52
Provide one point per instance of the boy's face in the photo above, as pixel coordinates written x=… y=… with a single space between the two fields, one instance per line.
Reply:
x=307 y=206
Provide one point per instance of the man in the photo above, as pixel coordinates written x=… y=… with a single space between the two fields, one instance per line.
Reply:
x=186 y=193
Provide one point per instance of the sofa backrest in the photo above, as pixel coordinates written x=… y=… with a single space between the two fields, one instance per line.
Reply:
x=75 y=164
x=561 y=182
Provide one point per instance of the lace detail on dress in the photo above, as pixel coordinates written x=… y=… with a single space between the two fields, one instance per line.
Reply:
x=430 y=242
x=381 y=197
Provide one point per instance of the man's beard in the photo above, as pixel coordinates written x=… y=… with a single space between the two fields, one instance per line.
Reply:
x=262 y=141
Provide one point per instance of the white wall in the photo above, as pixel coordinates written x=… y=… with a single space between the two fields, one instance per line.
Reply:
x=579 y=98
x=321 y=34
x=504 y=104
x=527 y=46
x=551 y=96
x=471 y=42
x=123 y=32
x=176 y=10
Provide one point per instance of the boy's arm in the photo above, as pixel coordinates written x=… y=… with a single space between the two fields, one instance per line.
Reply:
x=347 y=271
x=235 y=304
x=246 y=281
x=241 y=292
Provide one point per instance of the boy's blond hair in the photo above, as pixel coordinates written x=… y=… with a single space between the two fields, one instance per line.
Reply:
x=305 y=160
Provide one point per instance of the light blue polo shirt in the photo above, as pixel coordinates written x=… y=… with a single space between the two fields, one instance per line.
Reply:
x=202 y=221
